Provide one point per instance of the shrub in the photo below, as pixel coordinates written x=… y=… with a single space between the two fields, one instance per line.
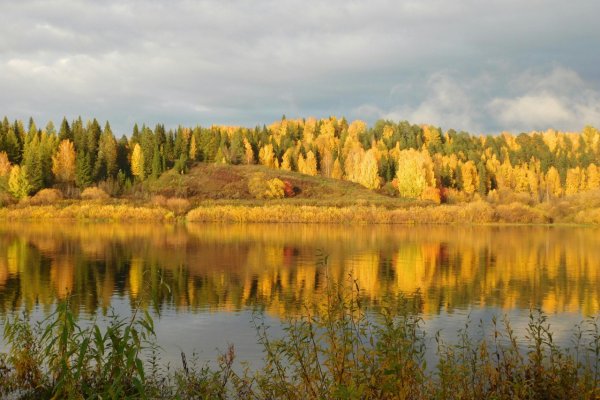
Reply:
x=257 y=185
x=178 y=206
x=61 y=359
x=520 y=213
x=46 y=196
x=158 y=200
x=389 y=189
x=5 y=199
x=275 y=189
x=453 y=196
x=94 y=193
x=288 y=189
x=476 y=212
x=261 y=188
x=432 y=194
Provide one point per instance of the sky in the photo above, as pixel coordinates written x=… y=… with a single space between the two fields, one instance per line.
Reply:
x=480 y=66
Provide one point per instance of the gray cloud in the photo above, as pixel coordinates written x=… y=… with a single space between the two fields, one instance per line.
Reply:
x=461 y=64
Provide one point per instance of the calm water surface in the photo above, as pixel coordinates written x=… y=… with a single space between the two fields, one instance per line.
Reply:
x=205 y=280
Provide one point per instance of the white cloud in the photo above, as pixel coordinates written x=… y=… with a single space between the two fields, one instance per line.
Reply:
x=559 y=99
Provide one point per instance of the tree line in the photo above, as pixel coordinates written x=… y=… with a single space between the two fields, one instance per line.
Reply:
x=399 y=158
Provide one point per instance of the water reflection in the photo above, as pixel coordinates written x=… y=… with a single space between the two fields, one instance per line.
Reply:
x=231 y=267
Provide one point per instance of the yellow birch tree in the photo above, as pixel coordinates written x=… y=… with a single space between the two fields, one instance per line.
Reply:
x=137 y=162
x=63 y=162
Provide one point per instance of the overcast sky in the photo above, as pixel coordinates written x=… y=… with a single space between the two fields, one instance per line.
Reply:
x=481 y=66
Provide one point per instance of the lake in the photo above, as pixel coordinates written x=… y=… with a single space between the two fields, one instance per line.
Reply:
x=202 y=282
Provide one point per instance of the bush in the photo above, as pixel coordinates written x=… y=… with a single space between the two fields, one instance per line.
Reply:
x=261 y=188
x=6 y=199
x=178 y=206
x=520 y=213
x=46 y=196
x=453 y=196
x=158 y=200
x=275 y=189
x=477 y=212
x=288 y=189
x=257 y=185
x=432 y=194
x=61 y=359
x=94 y=193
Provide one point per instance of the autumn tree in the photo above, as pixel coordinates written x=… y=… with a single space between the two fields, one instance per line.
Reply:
x=137 y=162
x=5 y=165
x=353 y=163
x=266 y=156
x=592 y=174
x=470 y=177
x=248 y=152
x=573 y=182
x=287 y=160
x=414 y=173
x=193 y=152
x=63 y=162
x=553 y=186
x=369 y=176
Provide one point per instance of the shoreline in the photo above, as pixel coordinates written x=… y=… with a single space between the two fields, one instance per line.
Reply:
x=474 y=213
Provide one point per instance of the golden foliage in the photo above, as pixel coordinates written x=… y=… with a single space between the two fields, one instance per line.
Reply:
x=63 y=162
x=470 y=177
x=308 y=165
x=248 y=152
x=266 y=156
x=137 y=162
x=5 y=165
x=46 y=196
x=431 y=194
x=369 y=174
x=573 y=182
x=337 y=172
x=287 y=159
x=553 y=185
x=592 y=174
x=261 y=188
x=275 y=189
x=414 y=173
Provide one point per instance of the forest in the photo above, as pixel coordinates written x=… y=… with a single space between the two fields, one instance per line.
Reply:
x=398 y=159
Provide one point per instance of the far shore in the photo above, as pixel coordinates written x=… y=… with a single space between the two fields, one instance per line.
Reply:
x=477 y=212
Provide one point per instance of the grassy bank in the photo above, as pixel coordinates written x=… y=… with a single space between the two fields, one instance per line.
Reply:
x=333 y=350
x=87 y=210
x=478 y=212
x=219 y=193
